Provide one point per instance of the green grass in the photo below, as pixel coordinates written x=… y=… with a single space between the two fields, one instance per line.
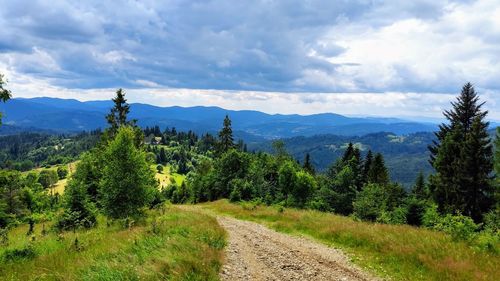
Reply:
x=400 y=252
x=171 y=244
x=166 y=176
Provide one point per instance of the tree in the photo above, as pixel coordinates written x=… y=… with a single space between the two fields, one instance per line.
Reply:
x=78 y=210
x=5 y=94
x=308 y=166
x=118 y=115
x=10 y=191
x=287 y=178
x=497 y=153
x=418 y=189
x=127 y=179
x=378 y=172
x=367 y=165
x=304 y=186
x=226 y=140
x=463 y=159
x=48 y=178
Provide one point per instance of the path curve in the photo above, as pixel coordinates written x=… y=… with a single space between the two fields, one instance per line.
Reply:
x=255 y=252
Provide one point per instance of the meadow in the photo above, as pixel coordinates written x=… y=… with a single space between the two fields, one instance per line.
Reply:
x=169 y=244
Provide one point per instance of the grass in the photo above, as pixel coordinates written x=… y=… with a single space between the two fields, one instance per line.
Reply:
x=171 y=244
x=166 y=176
x=400 y=252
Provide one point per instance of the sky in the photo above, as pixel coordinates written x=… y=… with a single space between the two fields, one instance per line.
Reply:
x=363 y=58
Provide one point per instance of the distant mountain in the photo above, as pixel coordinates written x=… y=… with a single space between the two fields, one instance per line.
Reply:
x=67 y=115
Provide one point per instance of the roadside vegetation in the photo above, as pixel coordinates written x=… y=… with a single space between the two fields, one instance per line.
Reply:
x=400 y=252
x=167 y=244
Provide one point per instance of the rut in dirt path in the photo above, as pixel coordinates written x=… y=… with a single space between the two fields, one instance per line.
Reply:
x=255 y=252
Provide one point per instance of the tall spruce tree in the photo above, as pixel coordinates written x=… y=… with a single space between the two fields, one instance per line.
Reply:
x=497 y=158
x=308 y=166
x=5 y=94
x=118 y=115
x=367 y=165
x=418 y=189
x=226 y=140
x=463 y=159
x=378 y=171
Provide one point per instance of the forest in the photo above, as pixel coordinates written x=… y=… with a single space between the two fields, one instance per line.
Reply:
x=116 y=177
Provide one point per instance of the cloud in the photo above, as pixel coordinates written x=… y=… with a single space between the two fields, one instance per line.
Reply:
x=246 y=48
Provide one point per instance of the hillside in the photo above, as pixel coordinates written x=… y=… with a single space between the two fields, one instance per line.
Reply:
x=405 y=155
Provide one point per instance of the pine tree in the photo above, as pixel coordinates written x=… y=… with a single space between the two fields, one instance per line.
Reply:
x=463 y=159
x=418 y=189
x=308 y=166
x=5 y=94
x=226 y=140
x=497 y=158
x=78 y=210
x=118 y=115
x=348 y=153
x=378 y=172
x=367 y=165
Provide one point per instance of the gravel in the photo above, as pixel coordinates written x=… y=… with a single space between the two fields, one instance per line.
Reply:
x=255 y=252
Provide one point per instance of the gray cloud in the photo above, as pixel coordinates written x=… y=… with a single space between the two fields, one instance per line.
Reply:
x=292 y=46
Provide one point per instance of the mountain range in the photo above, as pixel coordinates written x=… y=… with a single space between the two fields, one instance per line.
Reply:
x=69 y=115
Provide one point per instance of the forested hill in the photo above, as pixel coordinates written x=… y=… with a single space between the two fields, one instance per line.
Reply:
x=405 y=155
x=64 y=115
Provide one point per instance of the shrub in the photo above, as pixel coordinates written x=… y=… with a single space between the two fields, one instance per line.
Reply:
x=62 y=172
x=458 y=226
x=415 y=211
x=25 y=253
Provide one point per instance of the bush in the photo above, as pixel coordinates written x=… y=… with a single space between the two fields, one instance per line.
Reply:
x=62 y=172
x=458 y=226
x=25 y=253
x=368 y=205
x=396 y=216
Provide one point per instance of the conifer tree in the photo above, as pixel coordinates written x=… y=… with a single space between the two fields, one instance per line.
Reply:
x=349 y=153
x=226 y=140
x=378 y=172
x=5 y=94
x=497 y=158
x=418 y=189
x=463 y=159
x=118 y=115
x=367 y=165
x=308 y=166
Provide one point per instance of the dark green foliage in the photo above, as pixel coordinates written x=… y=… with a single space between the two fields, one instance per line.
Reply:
x=308 y=165
x=62 y=172
x=415 y=210
x=78 y=210
x=419 y=190
x=378 y=172
x=463 y=159
x=5 y=94
x=118 y=115
x=127 y=179
x=25 y=151
x=226 y=140
x=25 y=253
x=11 y=185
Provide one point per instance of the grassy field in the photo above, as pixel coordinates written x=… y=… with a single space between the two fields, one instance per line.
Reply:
x=171 y=244
x=400 y=252
x=166 y=176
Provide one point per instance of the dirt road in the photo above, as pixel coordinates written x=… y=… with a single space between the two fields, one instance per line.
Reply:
x=255 y=252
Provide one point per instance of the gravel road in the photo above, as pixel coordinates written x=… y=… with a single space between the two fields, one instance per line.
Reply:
x=255 y=252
